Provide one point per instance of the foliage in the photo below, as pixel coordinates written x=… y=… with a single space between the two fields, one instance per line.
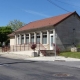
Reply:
x=57 y=49
x=4 y=31
x=70 y=54
x=16 y=24
x=33 y=46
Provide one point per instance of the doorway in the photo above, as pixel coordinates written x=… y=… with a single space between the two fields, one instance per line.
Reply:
x=51 y=41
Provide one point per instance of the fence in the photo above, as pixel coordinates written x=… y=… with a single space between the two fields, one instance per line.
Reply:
x=24 y=47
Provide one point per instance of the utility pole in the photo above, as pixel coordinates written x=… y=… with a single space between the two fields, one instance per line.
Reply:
x=54 y=41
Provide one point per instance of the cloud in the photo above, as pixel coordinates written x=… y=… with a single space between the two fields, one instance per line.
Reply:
x=36 y=13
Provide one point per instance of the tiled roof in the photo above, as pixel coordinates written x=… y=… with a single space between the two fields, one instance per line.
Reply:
x=45 y=22
x=12 y=34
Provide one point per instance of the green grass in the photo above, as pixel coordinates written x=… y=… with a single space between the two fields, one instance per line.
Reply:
x=70 y=54
x=78 y=46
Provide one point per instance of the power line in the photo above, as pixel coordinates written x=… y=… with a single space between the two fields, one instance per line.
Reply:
x=57 y=5
x=67 y=3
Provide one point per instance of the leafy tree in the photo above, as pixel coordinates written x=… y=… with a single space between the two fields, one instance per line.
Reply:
x=16 y=24
x=4 y=31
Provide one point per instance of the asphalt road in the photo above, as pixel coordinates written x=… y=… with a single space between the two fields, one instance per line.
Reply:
x=11 y=69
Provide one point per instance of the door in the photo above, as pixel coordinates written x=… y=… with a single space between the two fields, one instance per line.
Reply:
x=51 y=41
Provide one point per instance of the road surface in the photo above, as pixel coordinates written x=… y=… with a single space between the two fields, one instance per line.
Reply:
x=11 y=69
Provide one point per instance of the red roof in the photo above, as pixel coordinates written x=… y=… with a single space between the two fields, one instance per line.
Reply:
x=12 y=34
x=45 y=22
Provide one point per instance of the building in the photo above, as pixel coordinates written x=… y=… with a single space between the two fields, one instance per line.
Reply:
x=65 y=29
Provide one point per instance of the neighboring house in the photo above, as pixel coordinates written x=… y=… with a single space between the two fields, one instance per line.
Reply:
x=66 y=27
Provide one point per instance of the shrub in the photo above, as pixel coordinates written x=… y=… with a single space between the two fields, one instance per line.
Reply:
x=57 y=49
x=33 y=46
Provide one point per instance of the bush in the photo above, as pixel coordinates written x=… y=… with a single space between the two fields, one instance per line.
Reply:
x=33 y=46
x=57 y=49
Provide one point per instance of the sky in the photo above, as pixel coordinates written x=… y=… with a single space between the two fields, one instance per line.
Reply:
x=31 y=10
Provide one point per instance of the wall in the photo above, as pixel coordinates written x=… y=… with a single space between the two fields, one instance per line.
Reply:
x=12 y=41
x=66 y=36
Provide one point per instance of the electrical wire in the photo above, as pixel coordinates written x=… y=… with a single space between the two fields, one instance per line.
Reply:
x=67 y=3
x=57 y=5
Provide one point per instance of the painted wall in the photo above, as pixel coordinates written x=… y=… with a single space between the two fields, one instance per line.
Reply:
x=12 y=41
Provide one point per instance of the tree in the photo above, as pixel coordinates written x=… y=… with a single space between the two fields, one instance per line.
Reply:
x=4 y=31
x=16 y=24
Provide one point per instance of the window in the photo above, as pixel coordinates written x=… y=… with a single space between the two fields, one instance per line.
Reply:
x=44 y=38
x=27 y=38
x=38 y=38
x=18 y=40
x=32 y=38
x=22 y=39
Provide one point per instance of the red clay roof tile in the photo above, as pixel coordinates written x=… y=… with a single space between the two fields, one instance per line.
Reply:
x=45 y=22
x=12 y=34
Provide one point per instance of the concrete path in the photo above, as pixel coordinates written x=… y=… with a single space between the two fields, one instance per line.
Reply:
x=47 y=58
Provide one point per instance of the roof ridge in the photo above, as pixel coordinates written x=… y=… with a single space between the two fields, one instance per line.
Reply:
x=51 y=17
x=45 y=22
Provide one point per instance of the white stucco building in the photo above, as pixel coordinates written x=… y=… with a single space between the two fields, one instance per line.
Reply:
x=65 y=29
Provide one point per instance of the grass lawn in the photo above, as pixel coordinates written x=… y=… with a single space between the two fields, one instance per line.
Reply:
x=70 y=54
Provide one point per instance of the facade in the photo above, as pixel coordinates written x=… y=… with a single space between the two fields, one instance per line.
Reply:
x=64 y=30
